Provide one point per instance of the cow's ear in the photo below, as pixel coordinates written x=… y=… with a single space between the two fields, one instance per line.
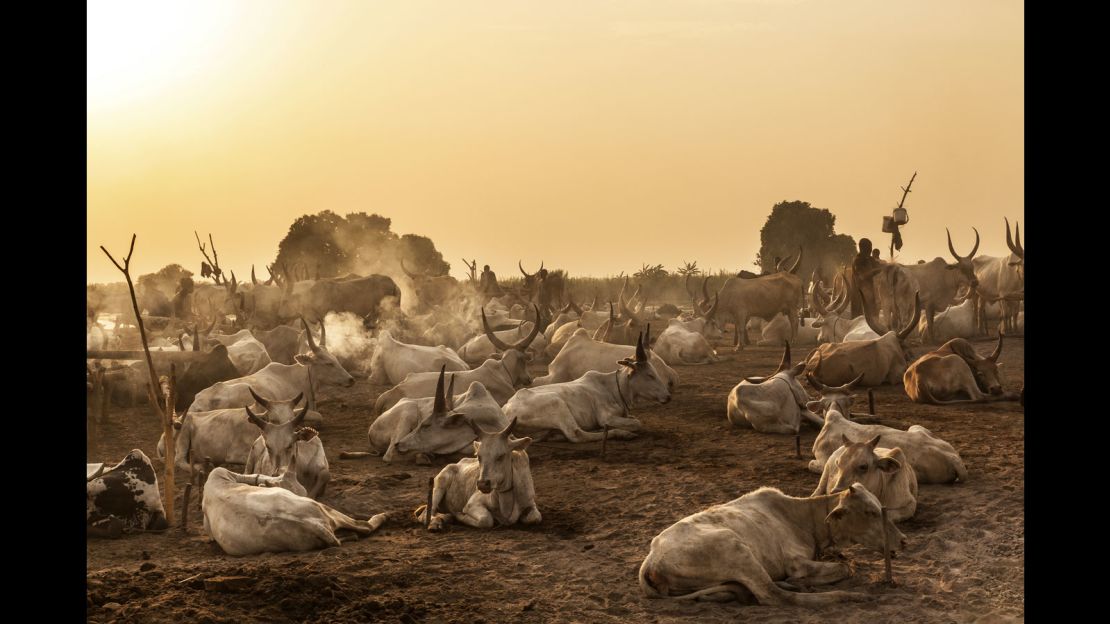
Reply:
x=305 y=358
x=455 y=419
x=307 y=433
x=874 y=442
x=496 y=356
x=889 y=464
x=477 y=446
x=519 y=444
x=814 y=406
x=177 y=423
x=629 y=362
x=836 y=514
x=528 y=357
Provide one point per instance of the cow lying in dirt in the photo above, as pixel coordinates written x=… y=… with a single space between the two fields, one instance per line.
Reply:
x=284 y=438
x=249 y=514
x=885 y=472
x=124 y=497
x=933 y=459
x=494 y=487
x=744 y=549
x=955 y=373
x=416 y=426
x=774 y=404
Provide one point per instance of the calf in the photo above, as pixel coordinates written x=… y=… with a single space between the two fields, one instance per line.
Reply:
x=886 y=473
x=248 y=514
x=774 y=404
x=127 y=493
x=744 y=549
x=955 y=373
x=494 y=487
x=579 y=409
x=282 y=439
x=426 y=431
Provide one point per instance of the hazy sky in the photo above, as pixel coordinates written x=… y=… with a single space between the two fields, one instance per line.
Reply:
x=594 y=135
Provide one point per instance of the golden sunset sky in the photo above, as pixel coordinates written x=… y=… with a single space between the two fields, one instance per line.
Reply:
x=594 y=135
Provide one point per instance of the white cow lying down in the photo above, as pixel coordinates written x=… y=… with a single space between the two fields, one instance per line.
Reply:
x=249 y=514
x=678 y=344
x=743 y=549
x=933 y=460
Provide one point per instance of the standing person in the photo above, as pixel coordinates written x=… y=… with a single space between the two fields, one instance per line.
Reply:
x=864 y=268
x=487 y=285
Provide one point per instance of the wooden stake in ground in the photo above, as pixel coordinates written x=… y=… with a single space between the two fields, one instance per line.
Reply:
x=167 y=417
x=886 y=551
x=604 y=440
x=871 y=401
x=169 y=389
x=185 y=507
x=798 y=445
x=428 y=509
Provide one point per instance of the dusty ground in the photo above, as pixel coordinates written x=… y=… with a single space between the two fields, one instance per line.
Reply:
x=965 y=561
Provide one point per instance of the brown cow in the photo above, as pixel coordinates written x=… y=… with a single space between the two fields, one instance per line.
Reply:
x=955 y=373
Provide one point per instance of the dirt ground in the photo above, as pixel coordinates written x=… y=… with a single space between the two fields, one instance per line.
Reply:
x=964 y=563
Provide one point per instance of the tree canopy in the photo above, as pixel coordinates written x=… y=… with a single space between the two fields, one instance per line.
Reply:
x=165 y=279
x=331 y=245
x=797 y=223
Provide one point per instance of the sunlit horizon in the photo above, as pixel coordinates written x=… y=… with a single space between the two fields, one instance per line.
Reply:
x=592 y=136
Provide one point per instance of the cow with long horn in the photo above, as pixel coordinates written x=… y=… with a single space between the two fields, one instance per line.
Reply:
x=687 y=342
x=833 y=324
x=955 y=373
x=772 y=404
x=936 y=282
x=582 y=353
x=762 y=297
x=881 y=360
x=578 y=410
x=527 y=337
x=1001 y=280
x=492 y=488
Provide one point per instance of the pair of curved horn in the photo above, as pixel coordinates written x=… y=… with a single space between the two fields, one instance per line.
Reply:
x=266 y=403
x=525 y=273
x=974 y=249
x=823 y=389
x=872 y=320
x=794 y=267
x=520 y=345
x=444 y=400
x=1015 y=243
x=504 y=433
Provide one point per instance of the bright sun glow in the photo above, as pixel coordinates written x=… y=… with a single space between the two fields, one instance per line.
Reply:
x=139 y=48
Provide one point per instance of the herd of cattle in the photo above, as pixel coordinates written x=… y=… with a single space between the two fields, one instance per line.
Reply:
x=460 y=385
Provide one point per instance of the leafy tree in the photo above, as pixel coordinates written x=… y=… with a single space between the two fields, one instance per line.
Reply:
x=650 y=272
x=797 y=223
x=165 y=279
x=357 y=243
x=688 y=268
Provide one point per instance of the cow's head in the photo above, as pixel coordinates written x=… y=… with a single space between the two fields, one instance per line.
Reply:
x=495 y=457
x=516 y=364
x=963 y=263
x=787 y=373
x=857 y=519
x=859 y=463
x=324 y=365
x=837 y=398
x=443 y=431
x=281 y=427
x=985 y=369
x=641 y=377
x=710 y=328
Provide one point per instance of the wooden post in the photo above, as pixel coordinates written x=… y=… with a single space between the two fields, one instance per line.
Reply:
x=204 y=479
x=886 y=551
x=428 y=509
x=604 y=440
x=185 y=508
x=871 y=401
x=798 y=445
x=168 y=390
